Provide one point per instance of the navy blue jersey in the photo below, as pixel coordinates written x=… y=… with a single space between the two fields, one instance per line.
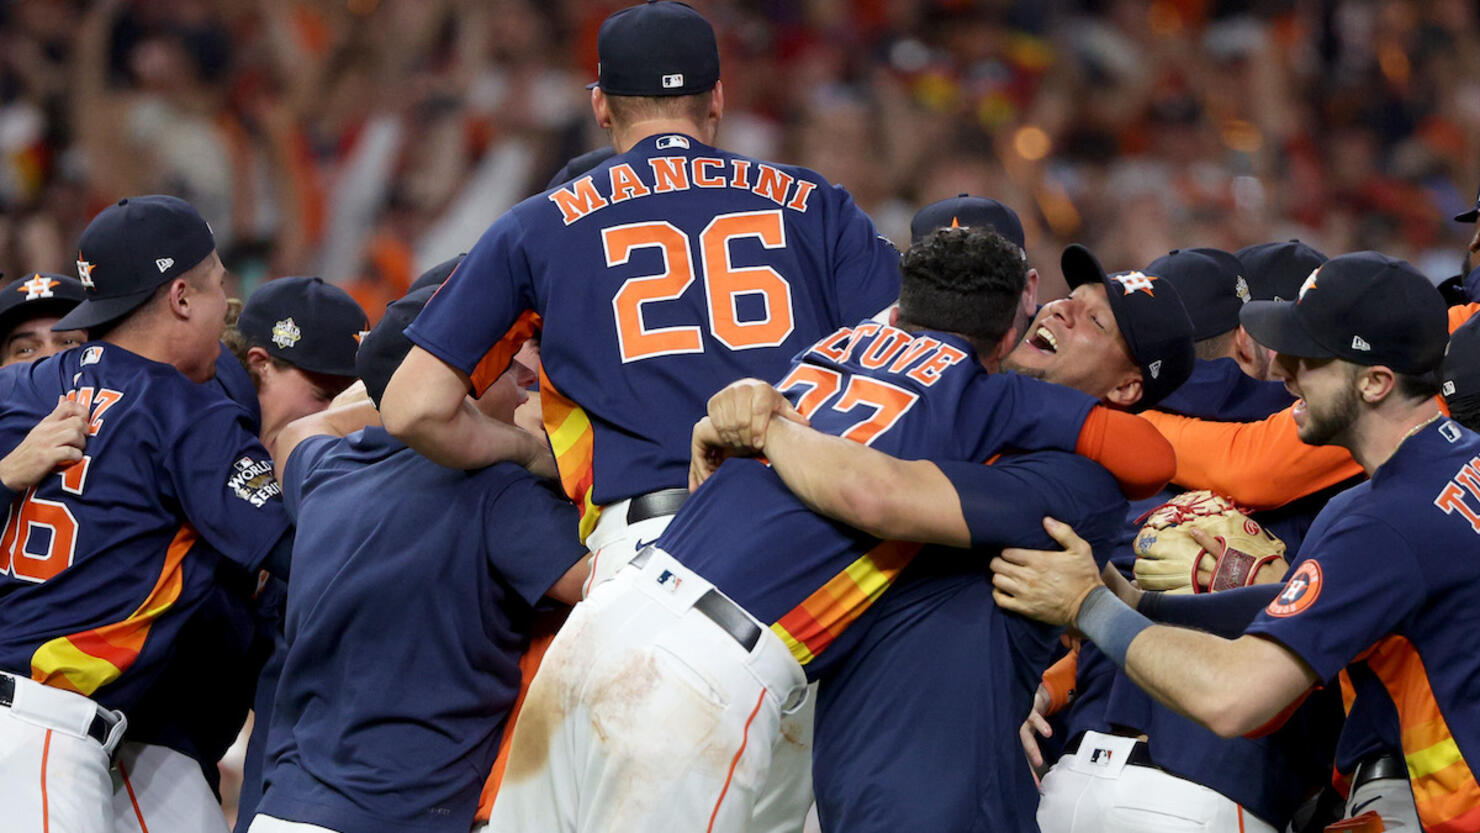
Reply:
x=1268 y=776
x=236 y=382
x=659 y=277
x=1389 y=577
x=921 y=395
x=412 y=590
x=918 y=730
x=103 y=560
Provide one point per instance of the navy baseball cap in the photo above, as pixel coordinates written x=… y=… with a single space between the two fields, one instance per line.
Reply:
x=964 y=210
x=579 y=165
x=37 y=294
x=1150 y=316
x=1276 y=271
x=436 y=275
x=1472 y=215
x=306 y=322
x=386 y=346
x=1211 y=284
x=131 y=249
x=1462 y=362
x=660 y=48
x=1363 y=307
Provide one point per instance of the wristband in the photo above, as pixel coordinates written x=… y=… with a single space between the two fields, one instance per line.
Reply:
x=1107 y=622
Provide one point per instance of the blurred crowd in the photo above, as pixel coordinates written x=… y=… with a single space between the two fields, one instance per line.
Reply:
x=365 y=140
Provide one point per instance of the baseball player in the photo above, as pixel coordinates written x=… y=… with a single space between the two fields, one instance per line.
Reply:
x=1462 y=375
x=663 y=273
x=954 y=764
x=1170 y=768
x=28 y=309
x=390 y=722
x=296 y=340
x=105 y=560
x=1376 y=585
x=677 y=673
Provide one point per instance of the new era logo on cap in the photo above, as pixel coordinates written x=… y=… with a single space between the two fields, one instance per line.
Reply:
x=1359 y=343
x=164 y=263
x=673 y=82
x=1155 y=368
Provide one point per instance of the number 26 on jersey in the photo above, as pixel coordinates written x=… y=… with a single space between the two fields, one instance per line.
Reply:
x=724 y=283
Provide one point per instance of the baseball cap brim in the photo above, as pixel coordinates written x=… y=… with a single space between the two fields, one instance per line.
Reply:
x=98 y=311
x=1468 y=217
x=1277 y=325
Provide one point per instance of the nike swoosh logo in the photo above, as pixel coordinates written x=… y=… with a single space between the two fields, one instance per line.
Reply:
x=642 y=545
x=1357 y=810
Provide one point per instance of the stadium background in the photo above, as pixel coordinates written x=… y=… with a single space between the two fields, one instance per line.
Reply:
x=363 y=140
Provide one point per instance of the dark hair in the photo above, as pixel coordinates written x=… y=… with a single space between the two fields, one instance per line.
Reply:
x=962 y=280
x=1420 y=386
x=1214 y=347
x=1466 y=410
x=632 y=108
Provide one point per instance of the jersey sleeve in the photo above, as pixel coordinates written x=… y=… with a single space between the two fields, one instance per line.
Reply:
x=1261 y=465
x=1356 y=586
x=478 y=319
x=1021 y=413
x=1005 y=503
x=301 y=462
x=222 y=478
x=865 y=265
x=1460 y=315
x=531 y=533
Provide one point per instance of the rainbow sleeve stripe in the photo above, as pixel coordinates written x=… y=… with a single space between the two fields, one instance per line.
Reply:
x=1444 y=788
x=811 y=626
x=85 y=662
x=573 y=441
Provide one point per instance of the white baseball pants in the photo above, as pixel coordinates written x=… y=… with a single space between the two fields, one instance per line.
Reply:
x=1390 y=798
x=53 y=776
x=646 y=715
x=270 y=824
x=1095 y=791
x=159 y=790
x=614 y=542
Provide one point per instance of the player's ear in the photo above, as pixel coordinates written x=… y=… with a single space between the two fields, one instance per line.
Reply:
x=894 y=315
x=717 y=101
x=178 y=298
x=1375 y=383
x=258 y=360
x=601 y=109
x=1127 y=393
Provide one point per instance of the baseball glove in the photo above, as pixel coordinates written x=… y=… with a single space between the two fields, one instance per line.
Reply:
x=1168 y=559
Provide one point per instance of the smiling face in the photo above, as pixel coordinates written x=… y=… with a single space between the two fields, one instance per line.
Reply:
x=1075 y=342
x=1328 y=400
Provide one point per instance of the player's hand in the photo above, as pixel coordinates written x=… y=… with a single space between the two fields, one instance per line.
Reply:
x=1271 y=572
x=1034 y=727
x=57 y=440
x=706 y=452
x=741 y=411
x=1047 y=585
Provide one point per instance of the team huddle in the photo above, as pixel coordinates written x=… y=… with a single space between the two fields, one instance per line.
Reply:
x=797 y=530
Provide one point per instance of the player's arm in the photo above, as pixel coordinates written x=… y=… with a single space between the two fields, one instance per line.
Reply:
x=57 y=440
x=1230 y=686
x=426 y=406
x=1261 y=465
x=336 y=421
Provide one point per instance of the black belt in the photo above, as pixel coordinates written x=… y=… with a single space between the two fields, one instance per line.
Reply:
x=1140 y=753
x=659 y=504
x=1378 y=767
x=721 y=611
x=97 y=730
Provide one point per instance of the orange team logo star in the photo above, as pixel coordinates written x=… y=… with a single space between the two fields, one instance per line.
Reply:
x=360 y=336
x=84 y=273
x=1310 y=283
x=1135 y=282
x=955 y=222
x=38 y=287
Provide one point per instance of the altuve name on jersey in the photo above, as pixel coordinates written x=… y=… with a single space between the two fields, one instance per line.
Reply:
x=878 y=346
x=670 y=174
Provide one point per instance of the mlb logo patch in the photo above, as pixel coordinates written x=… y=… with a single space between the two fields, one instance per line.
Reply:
x=92 y=355
x=1101 y=757
x=673 y=82
x=669 y=581
x=673 y=142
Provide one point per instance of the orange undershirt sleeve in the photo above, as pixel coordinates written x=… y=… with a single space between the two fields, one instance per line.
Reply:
x=1131 y=448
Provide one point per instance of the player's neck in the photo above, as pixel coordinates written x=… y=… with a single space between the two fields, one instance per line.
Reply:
x=142 y=338
x=1383 y=429
x=629 y=135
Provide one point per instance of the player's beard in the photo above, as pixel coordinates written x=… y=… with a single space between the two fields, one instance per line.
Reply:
x=1328 y=424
